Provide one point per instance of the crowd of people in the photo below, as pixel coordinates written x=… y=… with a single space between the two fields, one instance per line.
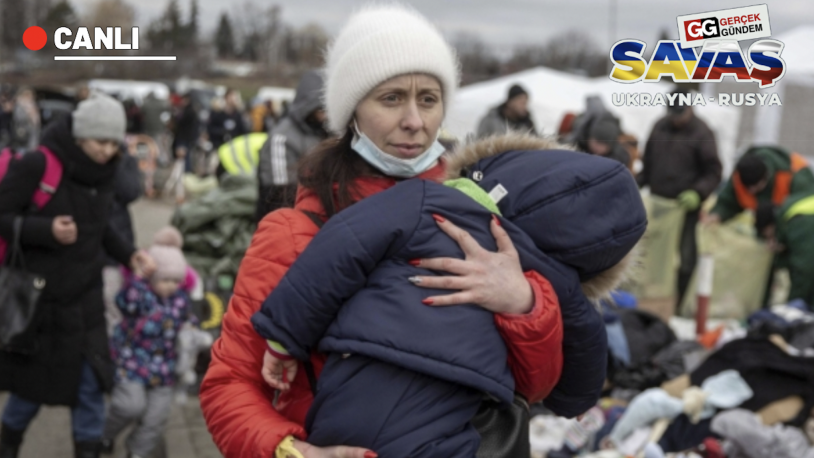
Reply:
x=401 y=296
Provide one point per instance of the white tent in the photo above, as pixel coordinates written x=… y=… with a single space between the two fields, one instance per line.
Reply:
x=798 y=54
x=275 y=93
x=553 y=94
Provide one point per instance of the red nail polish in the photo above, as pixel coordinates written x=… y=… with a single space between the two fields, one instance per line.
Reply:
x=438 y=218
x=497 y=220
x=414 y=262
x=371 y=455
x=427 y=301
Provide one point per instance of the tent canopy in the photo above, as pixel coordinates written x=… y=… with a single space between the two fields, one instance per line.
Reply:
x=798 y=54
x=788 y=125
x=552 y=94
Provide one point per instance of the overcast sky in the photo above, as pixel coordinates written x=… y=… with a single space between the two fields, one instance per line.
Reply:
x=503 y=23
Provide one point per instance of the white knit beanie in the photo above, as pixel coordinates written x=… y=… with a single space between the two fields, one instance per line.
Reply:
x=378 y=43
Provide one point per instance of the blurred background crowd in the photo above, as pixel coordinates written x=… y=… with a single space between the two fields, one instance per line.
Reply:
x=214 y=139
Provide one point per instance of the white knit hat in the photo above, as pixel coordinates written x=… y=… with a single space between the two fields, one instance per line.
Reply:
x=378 y=43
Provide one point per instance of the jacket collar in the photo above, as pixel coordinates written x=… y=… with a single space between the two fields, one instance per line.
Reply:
x=367 y=186
x=471 y=153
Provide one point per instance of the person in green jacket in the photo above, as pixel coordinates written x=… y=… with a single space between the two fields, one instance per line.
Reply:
x=790 y=232
x=763 y=174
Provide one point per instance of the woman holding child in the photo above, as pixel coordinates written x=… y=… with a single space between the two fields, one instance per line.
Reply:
x=389 y=79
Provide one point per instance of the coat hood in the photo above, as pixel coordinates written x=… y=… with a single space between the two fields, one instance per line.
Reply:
x=583 y=210
x=308 y=96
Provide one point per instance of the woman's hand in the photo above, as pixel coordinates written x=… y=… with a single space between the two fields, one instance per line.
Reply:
x=142 y=264
x=495 y=281
x=64 y=230
x=310 y=451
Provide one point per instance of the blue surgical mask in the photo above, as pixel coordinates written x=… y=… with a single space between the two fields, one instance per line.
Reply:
x=391 y=165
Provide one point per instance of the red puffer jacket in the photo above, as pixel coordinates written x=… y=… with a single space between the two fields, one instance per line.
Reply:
x=237 y=403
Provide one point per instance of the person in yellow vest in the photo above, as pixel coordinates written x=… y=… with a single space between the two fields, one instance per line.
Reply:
x=763 y=174
x=240 y=155
x=790 y=230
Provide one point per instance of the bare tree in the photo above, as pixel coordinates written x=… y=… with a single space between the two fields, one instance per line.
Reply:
x=61 y=14
x=478 y=61
x=166 y=33
x=170 y=34
x=15 y=17
x=112 y=13
x=304 y=47
x=224 y=37
x=259 y=32
x=572 y=51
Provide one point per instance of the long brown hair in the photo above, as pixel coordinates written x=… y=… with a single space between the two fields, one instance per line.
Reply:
x=334 y=163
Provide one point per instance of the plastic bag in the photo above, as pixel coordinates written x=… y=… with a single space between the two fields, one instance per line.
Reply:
x=656 y=275
x=742 y=267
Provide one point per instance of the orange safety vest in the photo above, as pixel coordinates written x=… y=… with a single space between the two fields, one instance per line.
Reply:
x=782 y=184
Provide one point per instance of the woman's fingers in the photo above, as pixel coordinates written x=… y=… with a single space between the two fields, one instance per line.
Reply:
x=147 y=262
x=468 y=244
x=450 y=265
x=64 y=229
x=448 y=282
x=492 y=280
x=349 y=452
x=310 y=451
x=504 y=242
x=463 y=297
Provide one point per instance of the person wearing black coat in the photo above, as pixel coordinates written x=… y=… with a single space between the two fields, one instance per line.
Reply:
x=186 y=130
x=63 y=358
x=681 y=162
x=511 y=115
x=225 y=122
x=603 y=140
x=127 y=188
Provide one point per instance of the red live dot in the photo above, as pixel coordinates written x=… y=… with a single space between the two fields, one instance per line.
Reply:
x=35 y=38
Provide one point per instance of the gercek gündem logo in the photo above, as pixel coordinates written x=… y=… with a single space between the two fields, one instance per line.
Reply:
x=708 y=51
x=104 y=38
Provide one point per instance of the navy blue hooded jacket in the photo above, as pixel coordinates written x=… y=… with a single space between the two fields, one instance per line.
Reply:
x=583 y=211
x=348 y=291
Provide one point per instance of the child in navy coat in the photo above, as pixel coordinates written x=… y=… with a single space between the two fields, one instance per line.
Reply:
x=405 y=379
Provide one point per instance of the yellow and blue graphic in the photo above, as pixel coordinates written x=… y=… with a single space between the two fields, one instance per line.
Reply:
x=717 y=59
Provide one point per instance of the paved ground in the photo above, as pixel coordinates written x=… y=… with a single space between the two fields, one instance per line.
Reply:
x=186 y=437
x=49 y=436
x=148 y=217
